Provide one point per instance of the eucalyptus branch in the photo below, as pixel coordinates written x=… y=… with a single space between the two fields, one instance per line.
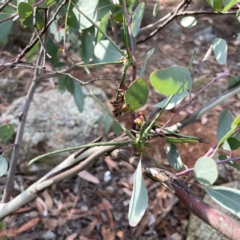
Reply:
x=20 y=131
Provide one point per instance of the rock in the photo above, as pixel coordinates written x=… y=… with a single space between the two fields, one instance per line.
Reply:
x=199 y=230
x=54 y=122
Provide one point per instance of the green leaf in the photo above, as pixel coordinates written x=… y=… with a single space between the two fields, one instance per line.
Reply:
x=33 y=52
x=105 y=52
x=6 y=26
x=6 y=132
x=172 y=80
x=103 y=26
x=176 y=99
x=51 y=47
x=107 y=123
x=139 y=198
x=61 y=83
x=149 y=54
x=230 y=4
x=155 y=9
x=57 y=32
x=137 y=19
x=228 y=198
x=220 y=50
x=173 y=157
x=236 y=121
x=216 y=4
x=136 y=94
x=188 y=22
x=205 y=170
x=224 y=124
x=180 y=140
x=48 y=3
x=3 y=165
x=233 y=143
x=70 y=84
x=78 y=96
x=238 y=15
x=94 y=9
x=117 y=129
x=88 y=43
x=25 y=10
x=234 y=81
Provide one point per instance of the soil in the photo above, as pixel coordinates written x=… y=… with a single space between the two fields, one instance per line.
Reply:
x=97 y=208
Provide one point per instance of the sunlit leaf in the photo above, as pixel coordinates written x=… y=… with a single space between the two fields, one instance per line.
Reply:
x=224 y=124
x=205 y=171
x=229 y=4
x=172 y=80
x=105 y=52
x=176 y=99
x=173 y=157
x=220 y=50
x=226 y=197
x=155 y=9
x=236 y=121
x=103 y=26
x=139 y=198
x=137 y=94
x=188 y=22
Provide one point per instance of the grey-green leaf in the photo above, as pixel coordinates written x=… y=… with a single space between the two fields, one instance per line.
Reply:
x=137 y=19
x=176 y=99
x=6 y=26
x=220 y=50
x=3 y=165
x=139 y=198
x=106 y=52
x=226 y=197
x=173 y=157
x=88 y=43
x=205 y=170
x=150 y=52
x=188 y=22
x=78 y=96
x=224 y=124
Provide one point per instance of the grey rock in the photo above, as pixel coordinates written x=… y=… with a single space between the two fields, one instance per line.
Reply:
x=199 y=230
x=54 y=122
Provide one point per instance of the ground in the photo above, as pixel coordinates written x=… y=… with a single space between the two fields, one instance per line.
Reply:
x=97 y=208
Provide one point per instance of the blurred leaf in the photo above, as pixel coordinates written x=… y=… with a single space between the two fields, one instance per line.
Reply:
x=228 y=198
x=6 y=26
x=139 y=198
x=3 y=165
x=233 y=143
x=103 y=27
x=176 y=99
x=51 y=47
x=155 y=9
x=173 y=157
x=33 y=52
x=6 y=132
x=59 y=64
x=149 y=54
x=117 y=129
x=224 y=124
x=70 y=84
x=58 y=33
x=107 y=123
x=234 y=81
x=238 y=37
x=236 y=121
x=205 y=171
x=48 y=3
x=188 y=22
x=215 y=4
x=230 y=4
x=137 y=94
x=88 y=43
x=220 y=50
x=94 y=9
x=137 y=19
x=238 y=15
x=172 y=80
x=78 y=96
x=230 y=163
x=106 y=52
x=61 y=83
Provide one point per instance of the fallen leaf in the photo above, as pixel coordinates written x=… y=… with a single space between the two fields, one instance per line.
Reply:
x=88 y=176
